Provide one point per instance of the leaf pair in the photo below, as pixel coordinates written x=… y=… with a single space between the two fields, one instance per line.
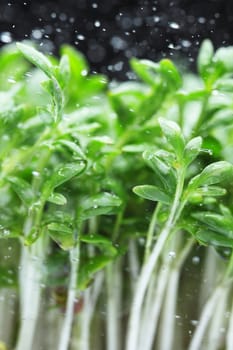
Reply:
x=215 y=229
x=58 y=77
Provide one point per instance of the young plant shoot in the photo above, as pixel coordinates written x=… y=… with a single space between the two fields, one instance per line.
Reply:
x=116 y=214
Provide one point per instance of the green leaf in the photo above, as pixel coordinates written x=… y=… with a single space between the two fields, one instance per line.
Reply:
x=57 y=198
x=224 y=56
x=62 y=234
x=216 y=222
x=225 y=85
x=211 y=191
x=192 y=149
x=64 y=173
x=77 y=62
x=165 y=175
x=23 y=189
x=212 y=174
x=91 y=266
x=170 y=74
x=223 y=117
x=208 y=237
x=152 y=193
x=101 y=204
x=173 y=134
x=64 y=71
x=95 y=239
x=204 y=59
x=101 y=241
x=37 y=58
x=32 y=236
x=77 y=151
x=146 y=70
x=212 y=146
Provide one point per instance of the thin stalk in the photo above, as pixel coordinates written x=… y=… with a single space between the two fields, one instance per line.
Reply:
x=33 y=269
x=229 y=337
x=207 y=313
x=72 y=292
x=133 y=263
x=153 y=305
x=114 y=284
x=148 y=267
x=91 y=296
x=215 y=336
x=209 y=276
x=151 y=231
x=166 y=339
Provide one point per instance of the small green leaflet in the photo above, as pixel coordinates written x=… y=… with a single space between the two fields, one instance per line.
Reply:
x=152 y=193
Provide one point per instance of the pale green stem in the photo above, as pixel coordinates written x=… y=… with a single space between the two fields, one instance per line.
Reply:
x=210 y=275
x=147 y=269
x=33 y=270
x=133 y=263
x=166 y=339
x=114 y=289
x=215 y=334
x=71 y=299
x=91 y=296
x=153 y=305
x=229 y=337
x=207 y=313
x=114 y=285
x=151 y=231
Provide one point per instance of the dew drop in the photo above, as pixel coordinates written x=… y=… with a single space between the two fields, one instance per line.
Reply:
x=174 y=25
x=172 y=254
x=195 y=260
x=194 y=322
x=97 y=24
x=5 y=37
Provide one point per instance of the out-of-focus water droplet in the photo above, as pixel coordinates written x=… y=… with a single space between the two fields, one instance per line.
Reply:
x=194 y=322
x=172 y=254
x=11 y=81
x=97 y=24
x=36 y=173
x=174 y=25
x=5 y=37
x=186 y=43
x=195 y=260
x=80 y=37
x=37 y=34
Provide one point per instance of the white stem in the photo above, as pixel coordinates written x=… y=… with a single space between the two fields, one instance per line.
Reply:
x=147 y=269
x=168 y=325
x=113 y=305
x=209 y=277
x=153 y=305
x=32 y=265
x=133 y=263
x=215 y=336
x=72 y=290
x=167 y=330
x=90 y=299
x=206 y=315
x=229 y=337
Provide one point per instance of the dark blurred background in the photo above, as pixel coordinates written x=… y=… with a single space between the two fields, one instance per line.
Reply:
x=109 y=32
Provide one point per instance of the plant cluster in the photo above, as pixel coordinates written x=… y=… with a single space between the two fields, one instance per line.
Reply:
x=110 y=193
